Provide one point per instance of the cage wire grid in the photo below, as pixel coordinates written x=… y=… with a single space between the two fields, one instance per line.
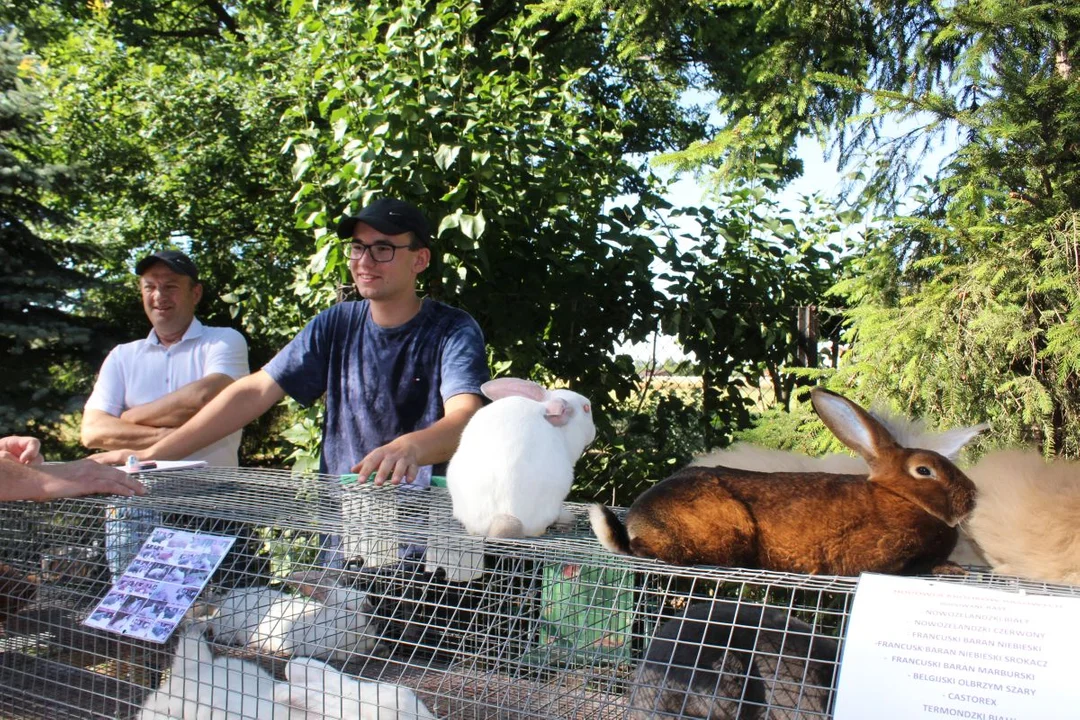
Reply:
x=397 y=609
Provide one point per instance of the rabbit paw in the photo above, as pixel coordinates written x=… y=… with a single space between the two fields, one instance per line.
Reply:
x=565 y=521
x=506 y=526
x=948 y=568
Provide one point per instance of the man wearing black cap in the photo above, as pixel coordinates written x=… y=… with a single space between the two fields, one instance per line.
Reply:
x=401 y=374
x=148 y=388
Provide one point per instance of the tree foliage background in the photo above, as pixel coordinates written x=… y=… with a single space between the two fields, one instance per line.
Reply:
x=40 y=338
x=240 y=132
x=961 y=299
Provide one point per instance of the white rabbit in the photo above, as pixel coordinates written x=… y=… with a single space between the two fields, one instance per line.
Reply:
x=202 y=687
x=907 y=433
x=323 y=692
x=515 y=463
x=323 y=620
x=1026 y=515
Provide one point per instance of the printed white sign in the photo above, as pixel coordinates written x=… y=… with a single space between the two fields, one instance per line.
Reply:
x=920 y=648
x=160 y=584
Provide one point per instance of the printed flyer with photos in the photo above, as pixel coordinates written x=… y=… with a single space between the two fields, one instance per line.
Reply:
x=160 y=584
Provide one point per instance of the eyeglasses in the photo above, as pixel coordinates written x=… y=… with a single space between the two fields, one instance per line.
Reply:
x=381 y=252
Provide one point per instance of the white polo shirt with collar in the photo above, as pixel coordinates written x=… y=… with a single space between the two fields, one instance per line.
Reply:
x=142 y=371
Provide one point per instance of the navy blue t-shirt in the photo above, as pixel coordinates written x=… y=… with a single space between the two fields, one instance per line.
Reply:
x=379 y=382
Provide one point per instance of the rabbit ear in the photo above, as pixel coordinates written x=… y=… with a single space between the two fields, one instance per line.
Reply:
x=852 y=425
x=558 y=412
x=283 y=694
x=507 y=387
x=315 y=584
x=305 y=688
x=951 y=442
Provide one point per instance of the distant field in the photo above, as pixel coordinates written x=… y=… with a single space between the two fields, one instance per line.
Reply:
x=689 y=388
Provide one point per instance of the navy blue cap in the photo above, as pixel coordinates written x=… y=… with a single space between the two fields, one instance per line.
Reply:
x=176 y=261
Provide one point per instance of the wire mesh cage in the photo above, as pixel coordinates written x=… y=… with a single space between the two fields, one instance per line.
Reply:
x=345 y=601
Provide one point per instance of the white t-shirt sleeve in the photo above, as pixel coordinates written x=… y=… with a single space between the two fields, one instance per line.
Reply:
x=228 y=354
x=108 y=394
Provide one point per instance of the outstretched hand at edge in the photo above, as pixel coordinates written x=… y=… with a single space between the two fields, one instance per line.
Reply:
x=84 y=477
x=21 y=449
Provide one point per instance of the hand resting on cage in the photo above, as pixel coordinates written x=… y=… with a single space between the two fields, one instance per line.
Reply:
x=727 y=659
x=21 y=449
x=515 y=462
x=324 y=619
x=899 y=518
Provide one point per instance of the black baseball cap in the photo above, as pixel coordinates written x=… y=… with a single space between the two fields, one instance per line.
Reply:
x=177 y=261
x=390 y=216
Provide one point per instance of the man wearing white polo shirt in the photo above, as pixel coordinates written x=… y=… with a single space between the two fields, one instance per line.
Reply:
x=149 y=387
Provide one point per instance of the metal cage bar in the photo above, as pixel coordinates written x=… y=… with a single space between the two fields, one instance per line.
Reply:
x=334 y=597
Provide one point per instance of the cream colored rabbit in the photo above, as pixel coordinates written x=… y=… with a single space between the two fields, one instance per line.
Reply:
x=1026 y=520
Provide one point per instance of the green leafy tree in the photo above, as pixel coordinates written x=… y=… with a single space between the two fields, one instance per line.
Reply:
x=39 y=332
x=177 y=143
x=243 y=140
x=736 y=286
x=963 y=308
x=518 y=164
x=966 y=309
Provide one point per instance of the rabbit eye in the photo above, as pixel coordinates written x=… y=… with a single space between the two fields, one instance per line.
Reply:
x=587 y=408
x=924 y=471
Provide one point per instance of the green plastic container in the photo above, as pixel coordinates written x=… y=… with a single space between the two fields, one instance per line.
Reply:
x=353 y=478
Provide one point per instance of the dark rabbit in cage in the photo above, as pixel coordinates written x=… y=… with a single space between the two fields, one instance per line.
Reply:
x=78 y=574
x=732 y=660
x=422 y=616
x=900 y=518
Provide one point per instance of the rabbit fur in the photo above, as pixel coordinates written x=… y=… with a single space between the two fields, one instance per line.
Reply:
x=727 y=659
x=17 y=589
x=515 y=462
x=203 y=687
x=908 y=433
x=323 y=620
x=899 y=518
x=1027 y=515
x=323 y=692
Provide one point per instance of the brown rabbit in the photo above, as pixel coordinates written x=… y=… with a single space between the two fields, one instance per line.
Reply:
x=17 y=589
x=900 y=518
